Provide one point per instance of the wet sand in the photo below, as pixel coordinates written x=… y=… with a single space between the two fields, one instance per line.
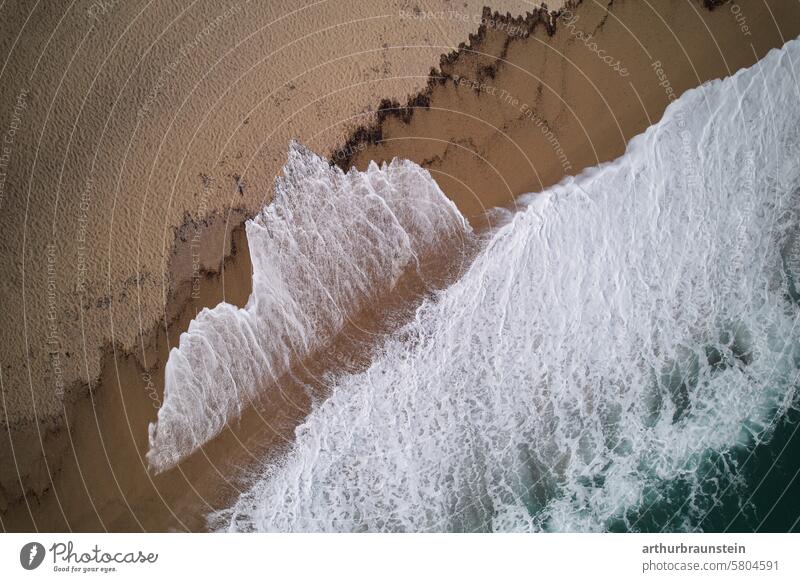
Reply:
x=147 y=236
x=142 y=135
x=515 y=114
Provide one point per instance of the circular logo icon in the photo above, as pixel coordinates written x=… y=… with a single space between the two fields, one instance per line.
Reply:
x=31 y=555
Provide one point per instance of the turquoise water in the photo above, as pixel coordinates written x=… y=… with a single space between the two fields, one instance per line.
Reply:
x=760 y=494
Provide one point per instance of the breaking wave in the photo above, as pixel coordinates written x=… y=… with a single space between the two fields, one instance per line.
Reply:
x=601 y=359
x=329 y=244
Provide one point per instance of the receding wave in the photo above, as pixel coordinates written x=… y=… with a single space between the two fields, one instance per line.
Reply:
x=327 y=245
x=610 y=346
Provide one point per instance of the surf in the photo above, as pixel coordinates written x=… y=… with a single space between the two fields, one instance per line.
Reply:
x=328 y=246
x=601 y=361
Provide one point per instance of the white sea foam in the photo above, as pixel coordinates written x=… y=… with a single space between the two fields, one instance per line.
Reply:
x=622 y=330
x=328 y=244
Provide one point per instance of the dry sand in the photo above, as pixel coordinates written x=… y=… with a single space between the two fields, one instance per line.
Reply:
x=144 y=135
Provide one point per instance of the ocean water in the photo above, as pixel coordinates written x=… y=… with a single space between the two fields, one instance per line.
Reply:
x=329 y=244
x=622 y=355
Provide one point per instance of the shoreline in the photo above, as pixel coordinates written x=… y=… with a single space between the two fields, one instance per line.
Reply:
x=164 y=119
x=593 y=107
x=423 y=131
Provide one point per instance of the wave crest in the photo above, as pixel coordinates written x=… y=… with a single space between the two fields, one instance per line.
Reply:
x=327 y=245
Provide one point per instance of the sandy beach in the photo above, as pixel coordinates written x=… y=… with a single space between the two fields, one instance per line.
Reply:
x=139 y=138
x=557 y=96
